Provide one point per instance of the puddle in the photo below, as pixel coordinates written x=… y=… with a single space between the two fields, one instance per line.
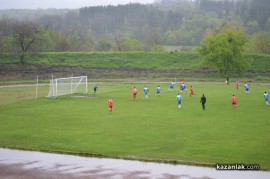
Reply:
x=115 y=168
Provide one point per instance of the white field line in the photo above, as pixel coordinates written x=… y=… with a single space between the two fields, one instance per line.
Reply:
x=22 y=85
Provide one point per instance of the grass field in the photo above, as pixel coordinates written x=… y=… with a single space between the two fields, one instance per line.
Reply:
x=130 y=60
x=151 y=130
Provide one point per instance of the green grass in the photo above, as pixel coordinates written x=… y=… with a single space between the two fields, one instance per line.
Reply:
x=109 y=60
x=137 y=60
x=153 y=129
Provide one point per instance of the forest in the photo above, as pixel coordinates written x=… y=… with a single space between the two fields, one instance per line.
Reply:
x=165 y=25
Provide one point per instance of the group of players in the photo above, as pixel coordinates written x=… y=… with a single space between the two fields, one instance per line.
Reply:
x=233 y=98
x=178 y=97
x=182 y=88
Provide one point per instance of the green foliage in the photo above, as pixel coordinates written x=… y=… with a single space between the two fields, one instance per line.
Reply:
x=153 y=43
x=261 y=42
x=252 y=27
x=175 y=22
x=153 y=129
x=224 y=49
x=103 y=45
x=129 y=60
x=259 y=11
x=128 y=44
x=9 y=43
x=259 y=62
x=150 y=60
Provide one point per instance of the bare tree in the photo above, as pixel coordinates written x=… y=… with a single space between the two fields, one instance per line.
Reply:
x=118 y=44
x=25 y=34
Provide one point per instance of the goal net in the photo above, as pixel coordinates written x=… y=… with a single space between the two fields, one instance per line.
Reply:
x=71 y=85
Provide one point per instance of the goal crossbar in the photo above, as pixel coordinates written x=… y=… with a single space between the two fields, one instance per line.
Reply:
x=70 y=85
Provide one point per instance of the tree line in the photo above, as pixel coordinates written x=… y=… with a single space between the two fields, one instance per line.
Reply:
x=132 y=27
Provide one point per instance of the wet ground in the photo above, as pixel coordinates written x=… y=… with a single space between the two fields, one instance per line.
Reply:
x=15 y=164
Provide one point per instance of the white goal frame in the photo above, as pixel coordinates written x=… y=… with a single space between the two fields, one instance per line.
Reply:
x=70 y=85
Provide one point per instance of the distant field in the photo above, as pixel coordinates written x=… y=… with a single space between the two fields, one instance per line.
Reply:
x=154 y=129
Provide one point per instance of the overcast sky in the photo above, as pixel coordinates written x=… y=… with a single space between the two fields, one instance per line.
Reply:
x=59 y=4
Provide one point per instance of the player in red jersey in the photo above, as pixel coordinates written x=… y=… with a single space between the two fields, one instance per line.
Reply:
x=110 y=104
x=134 y=92
x=191 y=91
x=233 y=100
x=181 y=83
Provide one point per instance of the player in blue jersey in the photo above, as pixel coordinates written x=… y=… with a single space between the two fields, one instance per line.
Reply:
x=182 y=88
x=246 y=88
x=179 y=100
x=265 y=96
x=171 y=86
x=145 y=92
x=158 y=91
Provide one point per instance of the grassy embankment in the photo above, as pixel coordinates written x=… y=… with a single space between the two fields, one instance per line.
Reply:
x=183 y=65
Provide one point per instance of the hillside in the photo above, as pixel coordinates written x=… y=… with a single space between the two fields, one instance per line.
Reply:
x=132 y=27
x=116 y=65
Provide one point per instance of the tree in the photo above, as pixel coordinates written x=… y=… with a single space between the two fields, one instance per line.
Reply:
x=127 y=44
x=259 y=11
x=118 y=44
x=153 y=43
x=103 y=45
x=252 y=27
x=224 y=49
x=261 y=42
x=25 y=34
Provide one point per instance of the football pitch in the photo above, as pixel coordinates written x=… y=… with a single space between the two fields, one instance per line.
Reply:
x=151 y=129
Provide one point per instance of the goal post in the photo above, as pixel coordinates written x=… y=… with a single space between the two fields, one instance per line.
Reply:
x=70 y=85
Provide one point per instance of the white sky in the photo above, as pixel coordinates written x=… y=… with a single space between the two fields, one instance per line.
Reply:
x=60 y=4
